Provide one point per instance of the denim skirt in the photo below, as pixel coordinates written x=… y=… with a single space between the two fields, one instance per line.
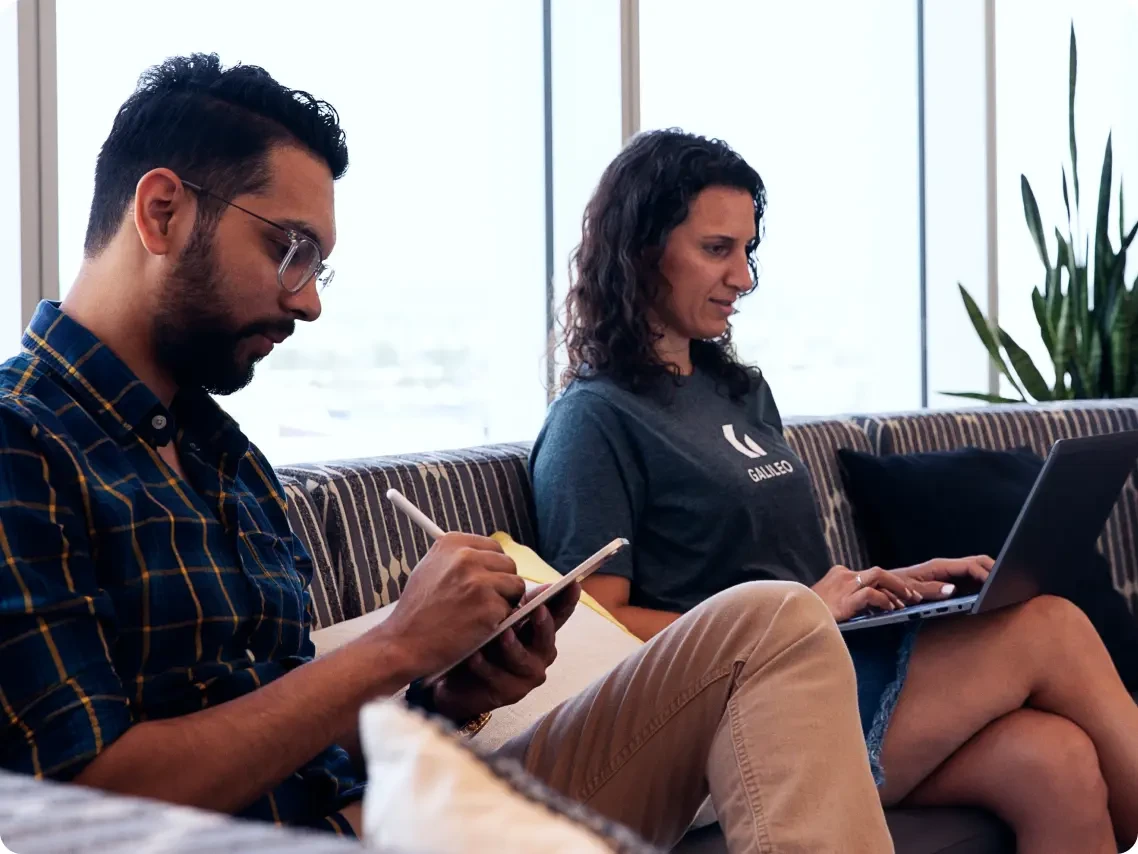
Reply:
x=881 y=660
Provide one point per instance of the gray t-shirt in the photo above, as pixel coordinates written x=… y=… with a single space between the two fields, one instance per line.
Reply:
x=706 y=490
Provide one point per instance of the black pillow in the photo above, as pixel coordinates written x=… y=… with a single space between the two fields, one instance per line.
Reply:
x=915 y=507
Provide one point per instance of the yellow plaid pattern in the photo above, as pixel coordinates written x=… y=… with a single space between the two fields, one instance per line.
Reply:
x=127 y=593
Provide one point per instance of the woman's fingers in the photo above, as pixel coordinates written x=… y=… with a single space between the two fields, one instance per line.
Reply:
x=871 y=597
x=901 y=587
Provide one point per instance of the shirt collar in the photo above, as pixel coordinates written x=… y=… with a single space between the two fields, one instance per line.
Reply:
x=114 y=395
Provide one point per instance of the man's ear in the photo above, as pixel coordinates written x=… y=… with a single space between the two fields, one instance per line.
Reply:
x=163 y=209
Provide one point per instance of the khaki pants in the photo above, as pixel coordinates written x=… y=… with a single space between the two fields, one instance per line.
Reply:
x=751 y=697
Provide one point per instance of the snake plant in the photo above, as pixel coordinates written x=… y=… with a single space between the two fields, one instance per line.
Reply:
x=1088 y=325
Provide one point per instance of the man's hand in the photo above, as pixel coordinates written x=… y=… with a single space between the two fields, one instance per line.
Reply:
x=456 y=595
x=512 y=666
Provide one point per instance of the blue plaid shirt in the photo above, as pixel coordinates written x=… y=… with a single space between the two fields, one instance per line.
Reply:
x=126 y=593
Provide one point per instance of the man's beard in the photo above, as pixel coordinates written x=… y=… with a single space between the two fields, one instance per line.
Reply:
x=194 y=340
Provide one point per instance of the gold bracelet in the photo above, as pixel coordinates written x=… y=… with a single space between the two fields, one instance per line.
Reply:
x=474 y=726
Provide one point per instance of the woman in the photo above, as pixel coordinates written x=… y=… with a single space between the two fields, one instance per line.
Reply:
x=1019 y=711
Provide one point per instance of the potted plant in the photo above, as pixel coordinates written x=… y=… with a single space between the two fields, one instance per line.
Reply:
x=1087 y=315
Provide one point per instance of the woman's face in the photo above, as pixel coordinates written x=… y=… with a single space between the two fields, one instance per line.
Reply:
x=704 y=264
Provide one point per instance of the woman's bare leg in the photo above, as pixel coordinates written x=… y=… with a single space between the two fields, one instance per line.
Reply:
x=1020 y=762
x=1044 y=654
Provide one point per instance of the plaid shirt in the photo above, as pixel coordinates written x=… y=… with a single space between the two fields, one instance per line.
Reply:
x=126 y=593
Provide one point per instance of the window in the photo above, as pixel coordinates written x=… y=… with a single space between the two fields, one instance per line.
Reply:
x=1032 y=42
x=821 y=98
x=586 y=125
x=433 y=333
x=10 y=314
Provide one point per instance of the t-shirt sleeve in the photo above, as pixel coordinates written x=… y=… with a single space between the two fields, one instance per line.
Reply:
x=61 y=701
x=588 y=487
x=766 y=410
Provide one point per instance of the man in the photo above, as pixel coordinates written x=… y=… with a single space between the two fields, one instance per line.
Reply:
x=154 y=613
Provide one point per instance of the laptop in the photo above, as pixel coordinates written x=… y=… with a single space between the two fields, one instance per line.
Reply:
x=1058 y=525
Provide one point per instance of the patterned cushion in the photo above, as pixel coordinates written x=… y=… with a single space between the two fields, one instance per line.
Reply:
x=368 y=549
x=373 y=547
x=308 y=525
x=1037 y=427
x=817 y=443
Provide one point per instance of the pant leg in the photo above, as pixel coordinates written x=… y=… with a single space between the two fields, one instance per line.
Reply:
x=750 y=696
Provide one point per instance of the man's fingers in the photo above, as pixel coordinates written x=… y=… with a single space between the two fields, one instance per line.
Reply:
x=470 y=541
x=562 y=605
x=543 y=644
x=510 y=587
x=516 y=659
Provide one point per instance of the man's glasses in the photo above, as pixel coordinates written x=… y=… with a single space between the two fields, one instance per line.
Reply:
x=301 y=262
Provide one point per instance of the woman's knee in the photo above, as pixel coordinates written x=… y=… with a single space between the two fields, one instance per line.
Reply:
x=1051 y=626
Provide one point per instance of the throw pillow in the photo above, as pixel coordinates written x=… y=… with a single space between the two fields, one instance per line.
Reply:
x=432 y=791
x=915 y=507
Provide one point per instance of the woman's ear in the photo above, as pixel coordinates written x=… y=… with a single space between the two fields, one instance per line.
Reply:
x=163 y=210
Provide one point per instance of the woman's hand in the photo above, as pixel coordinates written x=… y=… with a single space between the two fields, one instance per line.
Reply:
x=848 y=593
x=935 y=579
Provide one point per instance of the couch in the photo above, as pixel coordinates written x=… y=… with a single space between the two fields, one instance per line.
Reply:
x=363 y=550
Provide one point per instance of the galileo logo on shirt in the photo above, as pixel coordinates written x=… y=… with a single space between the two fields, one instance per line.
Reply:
x=750 y=449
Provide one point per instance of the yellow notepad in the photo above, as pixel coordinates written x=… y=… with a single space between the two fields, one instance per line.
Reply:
x=532 y=568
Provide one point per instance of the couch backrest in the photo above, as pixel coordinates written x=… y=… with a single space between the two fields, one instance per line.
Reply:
x=1036 y=427
x=372 y=548
x=367 y=550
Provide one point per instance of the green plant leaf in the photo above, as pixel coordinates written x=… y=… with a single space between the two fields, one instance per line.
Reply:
x=1081 y=297
x=1029 y=375
x=1072 y=74
x=1120 y=323
x=1034 y=225
x=1093 y=375
x=1121 y=214
x=1054 y=281
x=1066 y=200
x=1103 y=249
x=984 y=331
x=1078 y=387
x=1064 y=339
x=1127 y=239
x=1039 y=303
x=975 y=395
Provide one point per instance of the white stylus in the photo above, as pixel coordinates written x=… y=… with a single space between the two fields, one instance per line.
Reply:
x=415 y=514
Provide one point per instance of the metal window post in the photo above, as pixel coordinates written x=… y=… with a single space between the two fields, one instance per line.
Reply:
x=990 y=182
x=39 y=178
x=629 y=69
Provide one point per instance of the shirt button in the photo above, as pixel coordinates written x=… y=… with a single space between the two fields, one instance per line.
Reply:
x=158 y=422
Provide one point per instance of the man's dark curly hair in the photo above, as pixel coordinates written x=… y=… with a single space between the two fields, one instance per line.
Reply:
x=209 y=124
x=642 y=196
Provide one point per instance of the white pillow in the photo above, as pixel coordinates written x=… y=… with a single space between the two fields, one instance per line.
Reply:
x=432 y=791
x=588 y=647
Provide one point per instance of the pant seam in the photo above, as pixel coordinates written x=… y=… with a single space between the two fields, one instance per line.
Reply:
x=746 y=771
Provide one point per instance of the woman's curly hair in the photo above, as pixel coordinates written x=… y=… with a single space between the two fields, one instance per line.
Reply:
x=642 y=196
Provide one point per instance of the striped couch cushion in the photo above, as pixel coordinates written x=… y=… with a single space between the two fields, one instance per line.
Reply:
x=308 y=526
x=1037 y=427
x=817 y=443
x=373 y=547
